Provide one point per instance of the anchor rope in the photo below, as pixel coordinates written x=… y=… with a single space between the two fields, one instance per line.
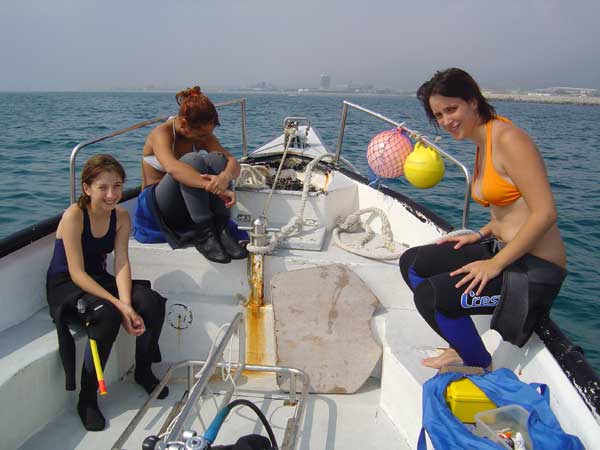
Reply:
x=296 y=222
x=349 y=224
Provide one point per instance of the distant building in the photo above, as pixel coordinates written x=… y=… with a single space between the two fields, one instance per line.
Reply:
x=259 y=85
x=325 y=82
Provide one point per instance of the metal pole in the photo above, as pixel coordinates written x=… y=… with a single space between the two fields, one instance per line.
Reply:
x=424 y=139
x=206 y=373
x=276 y=179
x=82 y=145
x=338 y=151
x=244 y=130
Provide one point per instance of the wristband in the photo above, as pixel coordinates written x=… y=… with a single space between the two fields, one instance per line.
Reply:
x=480 y=234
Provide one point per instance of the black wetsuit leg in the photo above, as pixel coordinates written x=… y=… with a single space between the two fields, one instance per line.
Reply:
x=103 y=321
x=426 y=270
x=151 y=307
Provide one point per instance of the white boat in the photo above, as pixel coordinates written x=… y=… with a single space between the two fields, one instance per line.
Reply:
x=328 y=342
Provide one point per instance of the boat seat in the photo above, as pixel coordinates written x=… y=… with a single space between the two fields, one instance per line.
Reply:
x=32 y=378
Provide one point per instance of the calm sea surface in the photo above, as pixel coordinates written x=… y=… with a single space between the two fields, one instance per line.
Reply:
x=39 y=131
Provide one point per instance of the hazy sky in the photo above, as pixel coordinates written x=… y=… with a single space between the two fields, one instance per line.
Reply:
x=86 y=44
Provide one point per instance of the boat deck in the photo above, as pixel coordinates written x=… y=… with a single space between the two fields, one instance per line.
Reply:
x=330 y=421
x=384 y=413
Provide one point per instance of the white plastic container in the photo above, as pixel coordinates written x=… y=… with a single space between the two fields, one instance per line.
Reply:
x=512 y=417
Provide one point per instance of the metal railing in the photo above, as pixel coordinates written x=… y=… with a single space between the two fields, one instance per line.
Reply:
x=197 y=388
x=419 y=137
x=82 y=145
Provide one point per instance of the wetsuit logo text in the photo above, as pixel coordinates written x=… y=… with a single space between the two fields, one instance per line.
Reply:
x=471 y=301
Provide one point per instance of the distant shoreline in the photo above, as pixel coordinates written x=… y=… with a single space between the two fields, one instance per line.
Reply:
x=497 y=96
x=535 y=98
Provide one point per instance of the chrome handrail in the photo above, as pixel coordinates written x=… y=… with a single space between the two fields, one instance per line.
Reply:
x=195 y=389
x=237 y=324
x=419 y=137
x=82 y=145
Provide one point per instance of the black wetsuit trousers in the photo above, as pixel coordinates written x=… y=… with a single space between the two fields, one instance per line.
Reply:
x=102 y=321
x=426 y=270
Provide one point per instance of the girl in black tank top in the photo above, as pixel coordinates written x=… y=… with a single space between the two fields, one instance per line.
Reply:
x=94 y=249
x=78 y=275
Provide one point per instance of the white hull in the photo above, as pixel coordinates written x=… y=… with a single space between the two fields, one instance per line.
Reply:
x=386 y=410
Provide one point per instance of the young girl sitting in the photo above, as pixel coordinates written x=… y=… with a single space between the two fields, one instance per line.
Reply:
x=77 y=278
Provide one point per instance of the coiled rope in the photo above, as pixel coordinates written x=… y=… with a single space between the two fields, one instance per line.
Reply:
x=253 y=177
x=353 y=224
x=349 y=224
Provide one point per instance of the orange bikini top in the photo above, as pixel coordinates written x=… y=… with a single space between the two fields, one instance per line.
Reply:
x=494 y=188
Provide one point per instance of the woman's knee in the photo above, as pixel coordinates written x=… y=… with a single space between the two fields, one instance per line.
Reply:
x=104 y=321
x=195 y=160
x=216 y=162
x=149 y=304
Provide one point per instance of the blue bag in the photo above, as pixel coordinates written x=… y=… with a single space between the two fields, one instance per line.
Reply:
x=146 y=227
x=502 y=387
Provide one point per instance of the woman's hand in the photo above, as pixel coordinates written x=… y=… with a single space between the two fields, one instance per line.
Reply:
x=461 y=240
x=228 y=197
x=132 y=321
x=217 y=184
x=477 y=273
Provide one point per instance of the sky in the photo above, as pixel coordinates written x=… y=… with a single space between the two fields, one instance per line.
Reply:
x=130 y=44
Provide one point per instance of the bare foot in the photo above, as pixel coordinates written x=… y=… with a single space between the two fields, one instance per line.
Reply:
x=448 y=357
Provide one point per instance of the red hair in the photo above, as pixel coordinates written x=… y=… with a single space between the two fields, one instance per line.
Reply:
x=196 y=108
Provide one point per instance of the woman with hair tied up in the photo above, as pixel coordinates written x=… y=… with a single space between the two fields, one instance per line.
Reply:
x=187 y=195
x=513 y=267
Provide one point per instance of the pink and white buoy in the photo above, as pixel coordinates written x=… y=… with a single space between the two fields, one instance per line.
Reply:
x=387 y=152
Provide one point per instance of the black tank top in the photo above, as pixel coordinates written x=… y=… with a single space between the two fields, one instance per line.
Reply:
x=94 y=249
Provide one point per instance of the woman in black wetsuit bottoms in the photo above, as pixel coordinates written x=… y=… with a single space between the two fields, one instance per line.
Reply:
x=520 y=247
x=87 y=232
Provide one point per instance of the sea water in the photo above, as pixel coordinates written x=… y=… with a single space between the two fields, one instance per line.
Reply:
x=39 y=130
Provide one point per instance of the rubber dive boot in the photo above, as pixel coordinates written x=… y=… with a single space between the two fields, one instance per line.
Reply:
x=87 y=407
x=209 y=245
x=145 y=378
x=90 y=414
x=228 y=241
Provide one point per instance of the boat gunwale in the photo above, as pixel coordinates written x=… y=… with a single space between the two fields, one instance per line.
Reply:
x=570 y=357
x=40 y=230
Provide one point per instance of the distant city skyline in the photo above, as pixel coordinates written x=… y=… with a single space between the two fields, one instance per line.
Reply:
x=87 y=44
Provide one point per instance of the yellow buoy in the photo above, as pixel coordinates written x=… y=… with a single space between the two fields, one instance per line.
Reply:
x=424 y=168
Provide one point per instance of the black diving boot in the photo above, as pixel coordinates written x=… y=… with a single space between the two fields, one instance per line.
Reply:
x=90 y=414
x=228 y=241
x=87 y=407
x=209 y=245
x=144 y=377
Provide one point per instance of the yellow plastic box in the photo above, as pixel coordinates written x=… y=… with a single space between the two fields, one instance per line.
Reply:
x=465 y=400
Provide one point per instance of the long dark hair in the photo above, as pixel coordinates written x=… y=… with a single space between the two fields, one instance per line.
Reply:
x=92 y=168
x=454 y=82
x=196 y=108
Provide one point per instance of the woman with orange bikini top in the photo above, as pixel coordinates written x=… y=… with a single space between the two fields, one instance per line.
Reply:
x=460 y=276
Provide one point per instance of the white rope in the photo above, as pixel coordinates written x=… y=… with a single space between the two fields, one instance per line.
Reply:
x=253 y=177
x=353 y=224
x=296 y=222
x=350 y=224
